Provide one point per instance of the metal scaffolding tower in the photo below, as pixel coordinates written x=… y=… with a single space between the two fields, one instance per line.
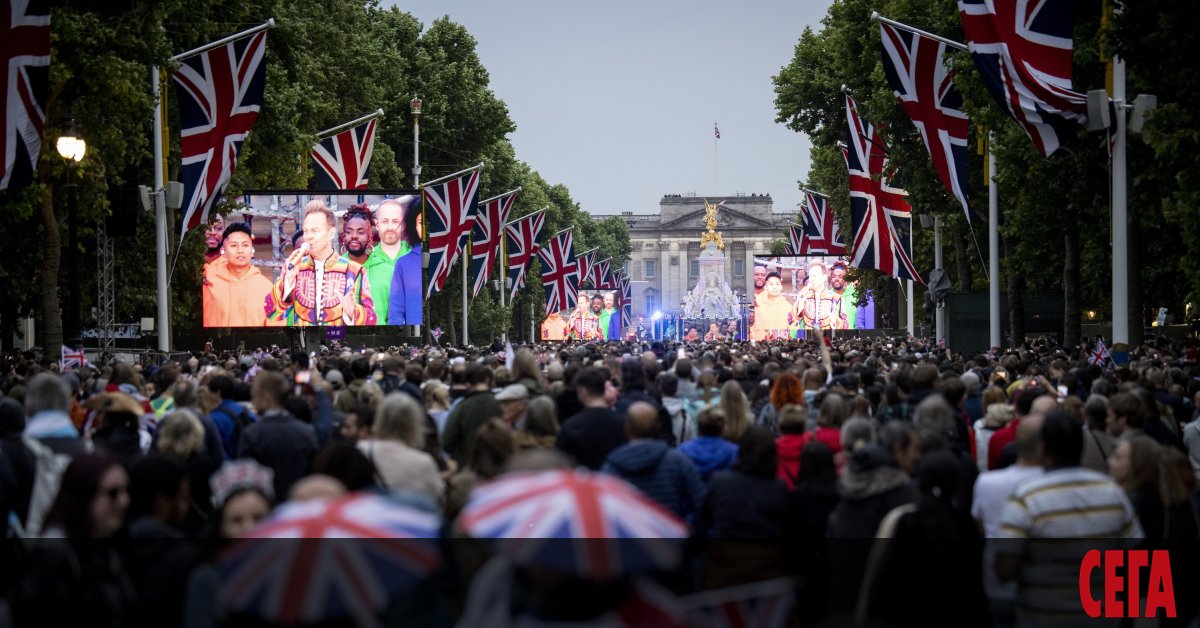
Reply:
x=106 y=300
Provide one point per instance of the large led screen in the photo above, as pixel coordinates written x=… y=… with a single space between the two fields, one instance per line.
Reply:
x=300 y=259
x=795 y=295
x=595 y=317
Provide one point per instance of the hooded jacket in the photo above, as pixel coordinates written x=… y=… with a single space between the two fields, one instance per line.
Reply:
x=232 y=301
x=663 y=474
x=709 y=454
x=788 y=447
x=870 y=488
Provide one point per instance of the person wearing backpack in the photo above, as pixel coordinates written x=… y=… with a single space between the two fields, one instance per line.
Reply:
x=52 y=441
x=230 y=417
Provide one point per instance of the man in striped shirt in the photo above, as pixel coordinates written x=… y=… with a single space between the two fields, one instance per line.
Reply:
x=1066 y=502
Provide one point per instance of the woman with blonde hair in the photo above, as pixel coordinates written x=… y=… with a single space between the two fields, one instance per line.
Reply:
x=541 y=425
x=437 y=403
x=180 y=434
x=396 y=447
x=737 y=411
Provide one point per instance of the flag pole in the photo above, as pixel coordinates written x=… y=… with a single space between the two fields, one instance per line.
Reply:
x=488 y=200
x=160 y=214
x=221 y=42
x=716 y=160
x=503 y=277
x=456 y=174
x=1120 y=223
x=993 y=251
x=466 y=258
x=354 y=122
x=876 y=17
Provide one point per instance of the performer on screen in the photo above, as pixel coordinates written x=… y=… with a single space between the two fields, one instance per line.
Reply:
x=405 y=304
x=554 y=327
x=818 y=306
x=772 y=312
x=357 y=225
x=714 y=333
x=317 y=286
x=234 y=288
x=584 y=322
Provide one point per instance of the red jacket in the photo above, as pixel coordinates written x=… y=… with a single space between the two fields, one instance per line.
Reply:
x=788 y=447
x=1001 y=438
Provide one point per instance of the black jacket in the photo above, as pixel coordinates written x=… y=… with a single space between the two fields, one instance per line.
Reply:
x=743 y=507
x=283 y=443
x=591 y=435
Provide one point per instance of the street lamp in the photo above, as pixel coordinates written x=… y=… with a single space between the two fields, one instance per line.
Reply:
x=72 y=148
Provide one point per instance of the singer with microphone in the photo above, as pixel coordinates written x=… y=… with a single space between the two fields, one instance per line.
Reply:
x=319 y=287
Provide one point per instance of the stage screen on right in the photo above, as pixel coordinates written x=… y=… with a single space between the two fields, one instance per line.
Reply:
x=803 y=293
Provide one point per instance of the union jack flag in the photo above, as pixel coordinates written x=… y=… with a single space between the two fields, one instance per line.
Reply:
x=1100 y=355
x=1023 y=49
x=560 y=273
x=916 y=69
x=821 y=234
x=219 y=92
x=879 y=211
x=795 y=236
x=25 y=49
x=72 y=359
x=452 y=206
x=343 y=161
x=521 y=238
x=600 y=276
x=485 y=238
x=626 y=301
x=587 y=261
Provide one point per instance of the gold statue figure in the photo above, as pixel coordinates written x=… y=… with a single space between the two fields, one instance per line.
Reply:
x=710 y=221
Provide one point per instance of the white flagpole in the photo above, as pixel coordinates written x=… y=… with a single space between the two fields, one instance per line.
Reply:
x=993 y=251
x=221 y=42
x=354 y=122
x=875 y=16
x=456 y=174
x=1120 y=221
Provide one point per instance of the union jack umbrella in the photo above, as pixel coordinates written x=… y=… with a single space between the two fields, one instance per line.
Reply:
x=452 y=206
x=485 y=238
x=521 y=239
x=560 y=273
x=822 y=235
x=25 y=48
x=219 y=93
x=320 y=559
x=1024 y=53
x=764 y=604
x=586 y=262
x=555 y=519
x=916 y=69
x=879 y=210
x=343 y=161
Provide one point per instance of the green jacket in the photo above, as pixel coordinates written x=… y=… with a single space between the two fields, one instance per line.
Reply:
x=379 y=274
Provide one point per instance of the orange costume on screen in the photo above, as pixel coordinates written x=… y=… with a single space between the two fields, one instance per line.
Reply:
x=233 y=299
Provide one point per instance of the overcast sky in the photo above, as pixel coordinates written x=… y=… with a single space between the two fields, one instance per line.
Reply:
x=617 y=99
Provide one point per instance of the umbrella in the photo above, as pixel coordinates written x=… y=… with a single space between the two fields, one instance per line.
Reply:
x=314 y=560
x=577 y=522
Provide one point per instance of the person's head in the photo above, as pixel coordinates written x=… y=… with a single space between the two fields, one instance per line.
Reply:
x=710 y=421
x=591 y=384
x=837 y=278
x=541 y=418
x=1062 y=440
x=816 y=464
x=479 y=377
x=437 y=395
x=938 y=476
x=159 y=489
x=240 y=511
x=494 y=445
x=641 y=420
x=832 y=412
x=222 y=386
x=757 y=456
x=269 y=391
x=774 y=285
x=514 y=402
x=668 y=384
x=46 y=392
x=180 y=434
x=320 y=229
x=356 y=229
x=760 y=277
x=1029 y=439
x=793 y=419
x=93 y=498
x=935 y=421
x=345 y=463
x=816 y=275
x=857 y=432
x=597 y=304
x=1126 y=411
x=609 y=300
x=399 y=418
x=786 y=390
x=356 y=425
x=389 y=219
x=899 y=438
x=736 y=407
x=213 y=236
x=1095 y=411
x=525 y=366
x=1135 y=463
x=238 y=244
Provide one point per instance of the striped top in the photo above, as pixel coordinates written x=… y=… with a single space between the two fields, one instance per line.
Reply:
x=1051 y=521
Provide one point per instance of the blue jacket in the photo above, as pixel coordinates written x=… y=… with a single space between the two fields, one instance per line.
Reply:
x=225 y=418
x=406 y=300
x=663 y=474
x=709 y=454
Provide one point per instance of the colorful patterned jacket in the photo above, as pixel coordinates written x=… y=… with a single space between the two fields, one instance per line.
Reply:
x=339 y=277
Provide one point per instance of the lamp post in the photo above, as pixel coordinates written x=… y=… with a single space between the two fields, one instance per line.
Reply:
x=72 y=147
x=679 y=327
x=415 y=108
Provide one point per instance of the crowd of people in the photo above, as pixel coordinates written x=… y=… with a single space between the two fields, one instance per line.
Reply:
x=847 y=465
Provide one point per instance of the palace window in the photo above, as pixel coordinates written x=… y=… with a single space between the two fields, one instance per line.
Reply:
x=650 y=267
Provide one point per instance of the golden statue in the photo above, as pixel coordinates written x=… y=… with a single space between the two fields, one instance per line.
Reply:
x=710 y=221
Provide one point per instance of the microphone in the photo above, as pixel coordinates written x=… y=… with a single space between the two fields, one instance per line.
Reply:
x=304 y=248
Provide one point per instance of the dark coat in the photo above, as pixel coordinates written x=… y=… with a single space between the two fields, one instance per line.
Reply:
x=663 y=474
x=283 y=443
x=744 y=507
x=477 y=408
x=591 y=435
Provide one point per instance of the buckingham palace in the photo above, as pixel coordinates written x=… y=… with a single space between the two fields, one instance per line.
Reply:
x=664 y=265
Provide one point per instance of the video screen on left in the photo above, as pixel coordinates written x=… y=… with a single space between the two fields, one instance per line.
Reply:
x=325 y=259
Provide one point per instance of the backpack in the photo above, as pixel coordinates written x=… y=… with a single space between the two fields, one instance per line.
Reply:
x=48 y=472
x=243 y=419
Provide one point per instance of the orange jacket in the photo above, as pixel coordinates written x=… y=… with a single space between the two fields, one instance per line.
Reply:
x=231 y=301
